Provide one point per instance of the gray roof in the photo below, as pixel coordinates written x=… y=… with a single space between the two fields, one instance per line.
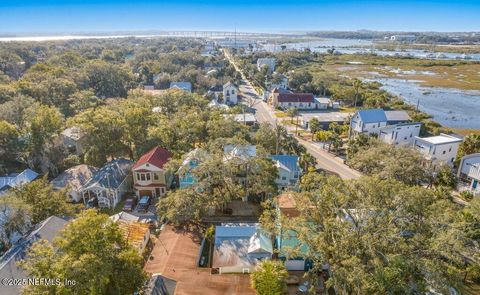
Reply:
x=46 y=230
x=111 y=175
x=160 y=285
x=229 y=83
x=181 y=85
x=322 y=100
x=397 y=116
x=287 y=162
x=14 y=179
x=74 y=177
x=372 y=115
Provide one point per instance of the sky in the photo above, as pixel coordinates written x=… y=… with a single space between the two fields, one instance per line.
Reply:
x=76 y=16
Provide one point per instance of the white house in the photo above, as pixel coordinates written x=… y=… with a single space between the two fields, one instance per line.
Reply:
x=368 y=122
x=322 y=103
x=266 y=62
x=440 y=148
x=286 y=100
x=230 y=93
x=469 y=173
x=402 y=134
x=288 y=171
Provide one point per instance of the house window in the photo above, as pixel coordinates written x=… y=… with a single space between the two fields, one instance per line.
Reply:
x=138 y=176
x=284 y=178
x=233 y=91
x=444 y=152
x=142 y=177
x=148 y=176
x=450 y=149
x=295 y=175
x=155 y=176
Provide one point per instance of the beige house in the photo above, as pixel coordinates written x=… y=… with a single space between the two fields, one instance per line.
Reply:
x=149 y=176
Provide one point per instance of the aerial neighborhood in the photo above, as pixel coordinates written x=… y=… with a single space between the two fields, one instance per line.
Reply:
x=214 y=166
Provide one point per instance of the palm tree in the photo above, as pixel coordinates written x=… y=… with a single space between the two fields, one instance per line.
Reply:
x=357 y=85
x=292 y=113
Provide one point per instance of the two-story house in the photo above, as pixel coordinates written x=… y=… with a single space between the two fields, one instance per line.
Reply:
x=437 y=149
x=367 y=121
x=230 y=93
x=267 y=62
x=289 y=171
x=149 y=176
x=402 y=134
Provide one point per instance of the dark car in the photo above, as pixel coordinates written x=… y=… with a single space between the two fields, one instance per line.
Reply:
x=143 y=204
x=129 y=205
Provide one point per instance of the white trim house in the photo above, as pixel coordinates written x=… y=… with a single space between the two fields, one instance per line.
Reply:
x=440 y=148
x=230 y=93
x=402 y=134
x=109 y=183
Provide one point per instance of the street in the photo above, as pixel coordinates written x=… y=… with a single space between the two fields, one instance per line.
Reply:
x=264 y=114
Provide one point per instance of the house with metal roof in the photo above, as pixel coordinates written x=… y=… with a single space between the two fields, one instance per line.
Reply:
x=74 y=179
x=185 y=86
x=397 y=117
x=239 y=247
x=289 y=171
x=239 y=151
x=367 y=121
x=149 y=176
x=108 y=184
x=370 y=121
x=469 y=174
x=9 y=269
x=16 y=179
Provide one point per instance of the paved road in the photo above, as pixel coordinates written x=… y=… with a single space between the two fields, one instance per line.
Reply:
x=264 y=113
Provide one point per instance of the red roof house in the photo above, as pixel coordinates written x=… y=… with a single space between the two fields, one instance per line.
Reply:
x=149 y=176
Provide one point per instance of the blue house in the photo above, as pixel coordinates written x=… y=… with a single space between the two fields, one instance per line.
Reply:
x=16 y=179
x=192 y=160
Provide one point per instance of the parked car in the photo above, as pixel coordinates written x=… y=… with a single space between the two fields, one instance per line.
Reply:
x=143 y=204
x=130 y=204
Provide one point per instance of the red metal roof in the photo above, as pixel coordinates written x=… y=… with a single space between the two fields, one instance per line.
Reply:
x=157 y=156
x=296 y=97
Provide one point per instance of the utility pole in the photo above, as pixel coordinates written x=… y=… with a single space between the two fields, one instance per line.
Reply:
x=277 y=137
